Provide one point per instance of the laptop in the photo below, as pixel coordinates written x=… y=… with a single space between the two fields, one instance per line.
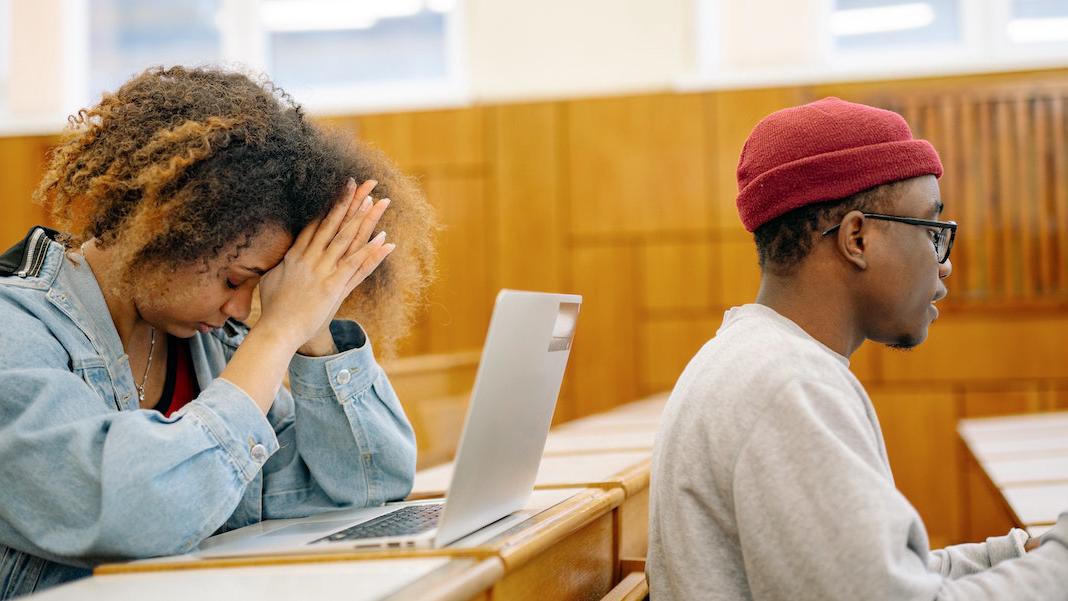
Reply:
x=504 y=434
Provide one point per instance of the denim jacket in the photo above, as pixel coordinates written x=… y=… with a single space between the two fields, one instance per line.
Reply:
x=87 y=476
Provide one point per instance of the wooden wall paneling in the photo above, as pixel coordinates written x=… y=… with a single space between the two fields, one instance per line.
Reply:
x=736 y=256
x=525 y=187
x=1059 y=173
x=678 y=274
x=988 y=239
x=635 y=165
x=734 y=115
x=966 y=267
x=1057 y=396
x=984 y=511
x=866 y=363
x=1043 y=207
x=603 y=369
x=348 y=124
x=1006 y=217
x=967 y=348
x=460 y=301
x=946 y=113
x=1024 y=199
x=428 y=140
x=1002 y=399
x=919 y=425
x=23 y=160
x=666 y=345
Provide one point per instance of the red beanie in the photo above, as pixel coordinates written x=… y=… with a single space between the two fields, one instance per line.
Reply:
x=825 y=150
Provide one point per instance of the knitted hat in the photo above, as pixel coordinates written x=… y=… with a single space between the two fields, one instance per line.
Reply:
x=825 y=150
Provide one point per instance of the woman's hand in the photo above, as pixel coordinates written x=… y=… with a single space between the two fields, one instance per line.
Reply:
x=329 y=258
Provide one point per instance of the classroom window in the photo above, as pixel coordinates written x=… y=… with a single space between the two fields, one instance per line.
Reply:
x=337 y=44
x=330 y=54
x=1037 y=21
x=880 y=25
x=127 y=36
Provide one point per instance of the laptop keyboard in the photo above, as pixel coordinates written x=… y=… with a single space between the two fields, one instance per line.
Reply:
x=410 y=519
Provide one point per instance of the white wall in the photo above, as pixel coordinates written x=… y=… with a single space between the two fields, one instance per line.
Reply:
x=523 y=49
x=537 y=49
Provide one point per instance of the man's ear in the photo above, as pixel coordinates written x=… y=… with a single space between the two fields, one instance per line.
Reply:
x=851 y=241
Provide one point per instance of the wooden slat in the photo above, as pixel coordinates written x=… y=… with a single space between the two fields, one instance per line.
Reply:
x=989 y=241
x=1005 y=217
x=1059 y=171
x=1042 y=208
x=1022 y=203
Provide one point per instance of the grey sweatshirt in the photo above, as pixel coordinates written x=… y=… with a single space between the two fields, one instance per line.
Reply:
x=770 y=481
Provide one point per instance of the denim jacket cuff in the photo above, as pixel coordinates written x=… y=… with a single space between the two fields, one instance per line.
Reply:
x=235 y=420
x=339 y=377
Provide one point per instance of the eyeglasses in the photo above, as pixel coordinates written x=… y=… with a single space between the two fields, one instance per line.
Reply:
x=942 y=232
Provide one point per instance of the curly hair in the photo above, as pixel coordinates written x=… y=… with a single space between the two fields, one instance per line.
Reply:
x=182 y=164
x=785 y=241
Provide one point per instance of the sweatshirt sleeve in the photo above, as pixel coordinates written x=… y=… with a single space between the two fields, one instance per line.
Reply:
x=819 y=518
x=960 y=560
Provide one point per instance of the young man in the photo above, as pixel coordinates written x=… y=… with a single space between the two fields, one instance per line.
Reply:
x=770 y=477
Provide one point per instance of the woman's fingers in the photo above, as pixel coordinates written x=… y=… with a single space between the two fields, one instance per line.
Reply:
x=355 y=232
x=370 y=222
x=330 y=224
x=371 y=260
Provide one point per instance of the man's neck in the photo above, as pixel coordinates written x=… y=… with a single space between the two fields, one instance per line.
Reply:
x=823 y=311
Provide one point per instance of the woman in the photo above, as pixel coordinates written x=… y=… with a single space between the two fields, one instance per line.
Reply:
x=138 y=414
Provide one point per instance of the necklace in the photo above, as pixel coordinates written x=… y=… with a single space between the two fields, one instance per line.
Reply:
x=144 y=380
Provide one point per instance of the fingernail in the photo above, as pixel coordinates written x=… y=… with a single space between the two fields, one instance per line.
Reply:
x=389 y=247
x=380 y=237
x=366 y=204
x=351 y=183
x=374 y=182
x=386 y=200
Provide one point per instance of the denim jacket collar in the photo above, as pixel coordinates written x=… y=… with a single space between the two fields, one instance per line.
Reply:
x=74 y=290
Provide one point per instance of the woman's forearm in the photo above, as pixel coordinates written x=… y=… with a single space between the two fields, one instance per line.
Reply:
x=259 y=364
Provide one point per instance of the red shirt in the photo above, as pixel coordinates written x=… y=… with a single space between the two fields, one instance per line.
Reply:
x=181 y=386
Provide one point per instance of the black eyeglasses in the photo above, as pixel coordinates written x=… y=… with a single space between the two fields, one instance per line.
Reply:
x=942 y=232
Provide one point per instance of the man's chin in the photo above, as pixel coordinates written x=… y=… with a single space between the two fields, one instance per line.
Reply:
x=907 y=342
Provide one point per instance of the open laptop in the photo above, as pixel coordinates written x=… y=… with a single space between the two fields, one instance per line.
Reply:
x=508 y=419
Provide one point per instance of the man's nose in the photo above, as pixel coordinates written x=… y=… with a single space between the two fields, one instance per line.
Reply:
x=944 y=269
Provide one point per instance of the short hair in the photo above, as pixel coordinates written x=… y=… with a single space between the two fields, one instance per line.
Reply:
x=784 y=242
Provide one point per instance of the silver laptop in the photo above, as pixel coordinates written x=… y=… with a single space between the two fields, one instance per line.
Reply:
x=508 y=418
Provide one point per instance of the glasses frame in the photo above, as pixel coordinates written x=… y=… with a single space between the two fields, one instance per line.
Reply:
x=942 y=225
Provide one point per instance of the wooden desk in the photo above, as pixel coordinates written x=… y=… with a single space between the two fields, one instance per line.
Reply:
x=566 y=546
x=602 y=470
x=1025 y=458
x=573 y=442
x=413 y=578
x=626 y=473
x=589 y=510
